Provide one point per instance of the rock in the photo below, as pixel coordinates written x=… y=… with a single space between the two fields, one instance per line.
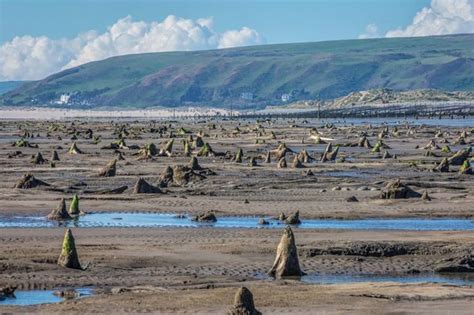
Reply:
x=7 y=291
x=286 y=262
x=352 y=199
x=67 y=294
x=68 y=257
x=262 y=221
x=243 y=303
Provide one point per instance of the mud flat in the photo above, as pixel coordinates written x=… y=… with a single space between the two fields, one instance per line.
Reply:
x=183 y=269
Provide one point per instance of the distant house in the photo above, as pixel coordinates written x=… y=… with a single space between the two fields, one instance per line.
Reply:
x=286 y=97
x=248 y=96
x=64 y=98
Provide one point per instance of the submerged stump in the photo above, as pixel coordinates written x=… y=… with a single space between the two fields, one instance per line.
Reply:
x=74 y=206
x=60 y=213
x=205 y=217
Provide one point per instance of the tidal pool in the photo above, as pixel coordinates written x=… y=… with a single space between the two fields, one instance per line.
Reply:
x=147 y=219
x=453 y=279
x=35 y=297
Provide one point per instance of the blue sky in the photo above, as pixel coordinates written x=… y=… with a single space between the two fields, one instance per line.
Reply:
x=41 y=37
x=277 y=20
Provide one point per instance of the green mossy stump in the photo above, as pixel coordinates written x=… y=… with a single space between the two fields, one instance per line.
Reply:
x=466 y=168
x=238 y=156
x=459 y=157
x=74 y=206
x=69 y=257
x=74 y=149
x=206 y=150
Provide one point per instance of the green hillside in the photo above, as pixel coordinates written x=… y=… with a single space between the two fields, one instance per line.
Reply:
x=7 y=86
x=323 y=70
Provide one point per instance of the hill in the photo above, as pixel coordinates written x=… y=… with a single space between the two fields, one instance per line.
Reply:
x=6 y=86
x=251 y=77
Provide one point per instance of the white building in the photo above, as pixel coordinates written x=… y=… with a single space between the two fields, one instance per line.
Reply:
x=64 y=99
x=286 y=97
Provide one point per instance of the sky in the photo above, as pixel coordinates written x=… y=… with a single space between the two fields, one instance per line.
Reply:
x=41 y=37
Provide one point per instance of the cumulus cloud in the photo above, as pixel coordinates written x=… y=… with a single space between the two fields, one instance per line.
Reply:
x=31 y=58
x=371 y=31
x=440 y=18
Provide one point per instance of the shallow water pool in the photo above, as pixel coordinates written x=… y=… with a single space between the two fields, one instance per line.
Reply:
x=146 y=219
x=453 y=279
x=35 y=297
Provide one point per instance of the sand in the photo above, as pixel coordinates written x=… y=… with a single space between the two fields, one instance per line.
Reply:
x=198 y=270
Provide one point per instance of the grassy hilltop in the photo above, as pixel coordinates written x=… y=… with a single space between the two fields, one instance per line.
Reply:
x=324 y=70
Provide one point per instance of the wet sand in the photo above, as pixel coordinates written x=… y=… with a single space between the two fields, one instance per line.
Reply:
x=197 y=270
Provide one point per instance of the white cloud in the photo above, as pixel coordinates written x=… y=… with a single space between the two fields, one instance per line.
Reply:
x=371 y=31
x=31 y=58
x=239 y=38
x=440 y=18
